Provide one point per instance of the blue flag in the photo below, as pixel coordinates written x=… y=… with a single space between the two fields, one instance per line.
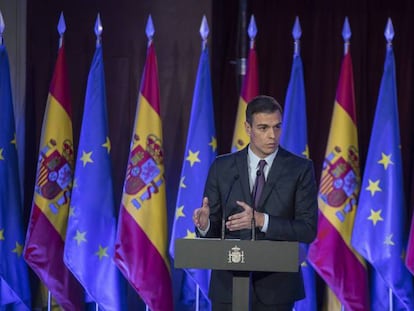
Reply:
x=294 y=126
x=200 y=152
x=91 y=230
x=294 y=138
x=379 y=230
x=14 y=287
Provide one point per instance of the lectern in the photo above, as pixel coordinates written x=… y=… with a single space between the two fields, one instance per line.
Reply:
x=237 y=255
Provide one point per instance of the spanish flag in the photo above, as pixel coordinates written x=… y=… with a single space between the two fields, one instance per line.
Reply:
x=46 y=233
x=332 y=254
x=141 y=243
x=250 y=89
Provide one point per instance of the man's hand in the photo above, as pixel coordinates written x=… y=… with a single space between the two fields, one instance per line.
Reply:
x=201 y=215
x=243 y=220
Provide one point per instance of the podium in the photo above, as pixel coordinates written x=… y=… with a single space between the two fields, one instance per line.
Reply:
x=237 y=255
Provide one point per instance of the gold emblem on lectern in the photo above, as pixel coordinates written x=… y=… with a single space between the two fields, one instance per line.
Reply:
x=235 y=255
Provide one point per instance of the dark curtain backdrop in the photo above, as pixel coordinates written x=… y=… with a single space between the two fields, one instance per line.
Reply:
x=322 y=51
x=177 y=43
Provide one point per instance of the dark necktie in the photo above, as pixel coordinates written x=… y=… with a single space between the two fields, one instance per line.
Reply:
x=259 y=183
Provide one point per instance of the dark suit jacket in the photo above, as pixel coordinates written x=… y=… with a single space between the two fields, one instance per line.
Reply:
x=289 y=198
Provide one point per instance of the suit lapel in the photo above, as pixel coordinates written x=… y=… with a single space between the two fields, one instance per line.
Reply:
x=242 y=167
x=278 y=166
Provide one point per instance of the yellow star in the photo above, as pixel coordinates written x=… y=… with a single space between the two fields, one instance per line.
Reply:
x=80 y=237
x=14 y=142
x=213 y=143
x=75 y=183
x=304 y=263
x=373 y=186
x=182 y=184
x=179 y=212
x=1 y=234
x=190 y=235
x=388 y=240
x=107 y=144
x=306 y=151
x=385 y=160
x=1 y=154
x=102 y=252
x=86 y=158
x=375 y=216
x=18 y=250
x=193 y=157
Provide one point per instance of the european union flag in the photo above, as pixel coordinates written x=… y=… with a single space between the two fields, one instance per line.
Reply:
x=90 y=236
x=379 y=230
x=14 y=282
x=294 y=126
x=294 y=138
x=200 y=152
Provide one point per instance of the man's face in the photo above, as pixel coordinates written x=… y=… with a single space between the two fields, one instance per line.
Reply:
x=264 y=132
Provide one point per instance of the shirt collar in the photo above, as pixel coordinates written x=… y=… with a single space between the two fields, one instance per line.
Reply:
x=254 y=159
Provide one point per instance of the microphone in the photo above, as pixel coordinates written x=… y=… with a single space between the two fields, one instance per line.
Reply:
x=223 y=207
x=253 y=220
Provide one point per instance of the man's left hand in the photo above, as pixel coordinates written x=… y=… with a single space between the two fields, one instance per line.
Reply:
x=243 y=220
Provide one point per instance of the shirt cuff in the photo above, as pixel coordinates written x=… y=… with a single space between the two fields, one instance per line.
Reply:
x=203 y=233
x=265 y=223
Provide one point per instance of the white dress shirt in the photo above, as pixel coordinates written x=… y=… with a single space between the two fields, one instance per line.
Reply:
x=253 y=166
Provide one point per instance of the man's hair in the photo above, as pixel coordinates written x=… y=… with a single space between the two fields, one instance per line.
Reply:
x=262 y=103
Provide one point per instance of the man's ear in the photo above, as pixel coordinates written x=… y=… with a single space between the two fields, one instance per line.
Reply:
x=247 y=127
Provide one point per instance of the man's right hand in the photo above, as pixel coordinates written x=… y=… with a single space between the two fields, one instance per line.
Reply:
x=201 y=215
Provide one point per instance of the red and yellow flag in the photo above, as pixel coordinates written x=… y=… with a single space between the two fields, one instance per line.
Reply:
x=331 y=253
x=141 y=244
x=46 y=233
x=250 y=89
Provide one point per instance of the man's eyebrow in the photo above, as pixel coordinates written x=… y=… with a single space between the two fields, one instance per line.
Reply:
x=267 y=124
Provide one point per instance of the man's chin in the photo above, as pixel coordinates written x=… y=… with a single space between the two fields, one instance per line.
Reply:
x=268 y=151
x=270 y=148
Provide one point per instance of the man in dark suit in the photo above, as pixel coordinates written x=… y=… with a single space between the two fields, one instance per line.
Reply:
x=286 y=210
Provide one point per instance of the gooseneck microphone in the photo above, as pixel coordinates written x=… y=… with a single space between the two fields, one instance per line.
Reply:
x=223 y=207
x=253 y=220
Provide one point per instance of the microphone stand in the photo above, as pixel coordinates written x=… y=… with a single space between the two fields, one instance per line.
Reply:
x=223 y=223
x=253 y=224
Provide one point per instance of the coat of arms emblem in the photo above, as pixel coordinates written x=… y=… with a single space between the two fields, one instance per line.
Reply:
x=144 y=176
x=339 y=185
x=54 y=174
x=235 y=255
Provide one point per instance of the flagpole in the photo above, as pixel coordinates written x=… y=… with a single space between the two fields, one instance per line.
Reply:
x=204 y=30
x=98 y=32
x=197 y=297
x=241 y=61
x=346 y=35
x=389 y=35
x=61 y=29
x=204 y=34
x=49 y=301
x=1 y=28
